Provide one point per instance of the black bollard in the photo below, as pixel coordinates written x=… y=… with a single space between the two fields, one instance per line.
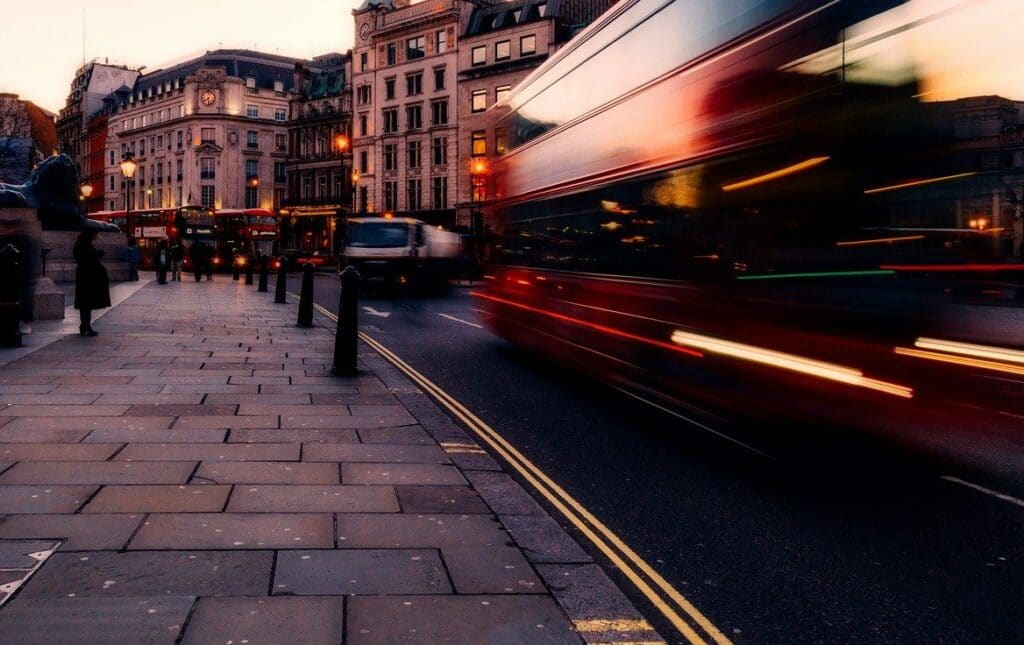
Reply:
x=306 y=298
x=346 y=336
x=281 y=290
x=234 y=268
x=248 y=269
x=10 y=297
x=264 y=273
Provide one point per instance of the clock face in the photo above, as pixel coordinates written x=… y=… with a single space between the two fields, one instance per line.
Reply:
x=208 y=98
x=364 y=31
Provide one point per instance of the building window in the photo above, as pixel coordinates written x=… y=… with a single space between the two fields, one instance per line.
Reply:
x=208 y=196
x=364 y=161
x=392 y=54
x=250 y=83
x=252 y=197
x=111 y=157
x=414 y=117
x=389 y=89
x=321 y=187
x=160 y=142
x=180 y=192
x=479 y=100
x=252 y=111
x=479 y=143
x=363 y=94
x=479 y=55
x=415 y=48
x=280 y=114
x=207 y=168
x=181 y=139
x=280 y=172
x=142 y=147
x=542 y=9
x=439 y=112
x=280 y=142
x=364 y=62
x=207 y=135
x=111 y=182
x=439 y=151
x=500 y=142
x=307 y=188
x=390 y=121
x=252 y=169
x=252 y=140
x=441 y=39
x=390 y=156
x=181 y=170
x=479 y=188
x=439 y=78
x=278 y=198
x=502 y=50
x=414 y=194
x=501 y=93
x=414 y=84
x=527 y=45
x=363 y=131
x=390 y=196
x=413 y=157
x=439 y=193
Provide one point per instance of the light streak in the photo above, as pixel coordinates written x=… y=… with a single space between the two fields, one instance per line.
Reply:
x=953 y=267
x=881 y=240
x=918 y=182
x=791 y=362
x=960 y=360
x=819 y=274
x=970 y=349
x=776 y=174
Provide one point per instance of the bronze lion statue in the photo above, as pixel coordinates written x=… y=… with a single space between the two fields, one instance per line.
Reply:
x=53 y=190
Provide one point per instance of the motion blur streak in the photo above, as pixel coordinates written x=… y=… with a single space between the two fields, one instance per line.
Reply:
x=952 y=268
x=918 y=182
x=961 y=360
x=968 y=349
x=818 y=274
x=776 y=174
x=830 y=371
x=583 y=323
x=881 y=240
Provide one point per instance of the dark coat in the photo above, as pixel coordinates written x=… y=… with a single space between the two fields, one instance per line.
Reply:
x=92 y=286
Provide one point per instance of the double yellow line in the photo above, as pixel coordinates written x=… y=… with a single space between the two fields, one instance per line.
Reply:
x=690 y=622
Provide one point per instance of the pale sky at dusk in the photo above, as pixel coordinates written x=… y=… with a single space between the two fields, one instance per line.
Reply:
x=41 y=45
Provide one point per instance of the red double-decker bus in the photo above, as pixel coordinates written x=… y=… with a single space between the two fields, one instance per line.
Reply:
x=149 y=226
x=247 y=230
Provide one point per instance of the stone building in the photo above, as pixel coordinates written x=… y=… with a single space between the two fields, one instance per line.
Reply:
x=499 y=47
x=319 y=153
x=405 y=113
x=27 y=136
x=210 y=131
x=93 y=82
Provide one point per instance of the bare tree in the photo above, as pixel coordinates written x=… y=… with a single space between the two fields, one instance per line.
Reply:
x=15 y=139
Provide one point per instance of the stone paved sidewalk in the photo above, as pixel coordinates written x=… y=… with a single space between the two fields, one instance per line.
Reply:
x=209 y=482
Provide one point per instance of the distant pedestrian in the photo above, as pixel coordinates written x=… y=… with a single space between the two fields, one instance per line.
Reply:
x=177 y=255
x=208 y=254
x=197 y=256
x=92 y=286
x=132 y=256
x=162 y=257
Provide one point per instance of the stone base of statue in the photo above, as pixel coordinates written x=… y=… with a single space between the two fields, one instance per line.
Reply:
x=49 y=300
x=60 y=261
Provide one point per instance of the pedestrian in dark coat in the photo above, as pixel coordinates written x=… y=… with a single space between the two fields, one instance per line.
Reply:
x=208 y=254
x=92 y=286
x=197 y=255
x=162 y=256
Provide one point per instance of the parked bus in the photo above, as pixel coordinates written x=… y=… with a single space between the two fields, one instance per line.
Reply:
x=250 y=230
x=777 y=214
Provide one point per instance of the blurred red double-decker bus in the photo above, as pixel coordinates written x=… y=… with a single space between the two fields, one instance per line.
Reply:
x=149 y=226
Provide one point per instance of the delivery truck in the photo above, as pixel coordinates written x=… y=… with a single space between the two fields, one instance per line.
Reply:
x=400 y=252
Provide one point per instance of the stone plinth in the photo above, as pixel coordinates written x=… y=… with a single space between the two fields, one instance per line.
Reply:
x=49 y=301
x=60 y=263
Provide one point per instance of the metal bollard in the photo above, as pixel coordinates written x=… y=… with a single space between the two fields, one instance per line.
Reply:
x=281 y=290
x=234 y=268
x=347 y=335
x=248 y=270
x=306 y=298
x=264 y=273
x=10 y=297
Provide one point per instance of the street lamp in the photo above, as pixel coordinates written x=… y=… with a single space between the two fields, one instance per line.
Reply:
x=149 y=198
x=86 y=189
x=128 y=168
x=340 y=143
x=355 y=187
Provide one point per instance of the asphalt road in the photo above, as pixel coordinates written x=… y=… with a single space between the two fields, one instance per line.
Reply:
x=860 y=549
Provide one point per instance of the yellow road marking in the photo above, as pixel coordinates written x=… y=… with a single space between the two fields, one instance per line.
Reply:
x=613 y=625
x=568 y=506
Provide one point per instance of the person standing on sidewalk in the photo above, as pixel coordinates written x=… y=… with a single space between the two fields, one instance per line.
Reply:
x=208 y=253
x=177 y=255
x=92 y=286
x=132 y=257
x=197 y=256
x=162 y=257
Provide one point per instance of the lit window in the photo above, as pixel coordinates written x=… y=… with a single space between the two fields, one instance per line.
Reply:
x=501 y=93
x=479 y=143
x=479 y=100
x=479 y=55
x=528 y=45
x=502 y=50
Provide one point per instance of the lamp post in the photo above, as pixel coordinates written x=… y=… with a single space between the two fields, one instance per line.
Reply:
x=355 y=188
x=341 y=145
x=128 y=168
x=149 y=198
x=478 y=175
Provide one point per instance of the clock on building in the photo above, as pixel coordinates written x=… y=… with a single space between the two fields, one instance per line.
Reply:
x=208 y=98
x=364 y=31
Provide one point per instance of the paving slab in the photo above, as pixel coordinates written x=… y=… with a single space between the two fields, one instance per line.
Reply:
x=373 y=453
x=150 y=399
x=491 y=569
x=327 y=421
x=483 y=620
x=371 y=410
x=58 y=451
x=208 y=452
x=48 y=399
x=43 y=499
x=152 y=435
x=158 y=499
x=293 y=435
x=407 y=434
x=354 y=399
x=128 y=621
x=542 y=540
x=404 y=474
x=179 y=409
x=313 y=499
x=87 y=423
x=95 y=388
x=79 y=532
x=408 y=531
x=235 y=531
x=138 y=573
x=440 y=499
x=266 y=621
x=208 y=389
x=263 y=399
x=305 y=388
x=263 y=472
x=24 y=434
x=102 y=472
x=226 y=422
x=294 y=410
x=16 y=554
x=372 y=571
x=503 y=494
